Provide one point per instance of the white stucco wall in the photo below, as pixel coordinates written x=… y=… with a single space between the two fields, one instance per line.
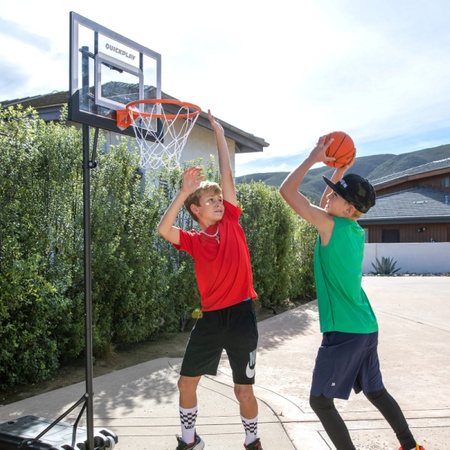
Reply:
x=411 y=257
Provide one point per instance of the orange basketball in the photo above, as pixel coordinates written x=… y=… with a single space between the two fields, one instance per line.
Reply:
x=342 y=148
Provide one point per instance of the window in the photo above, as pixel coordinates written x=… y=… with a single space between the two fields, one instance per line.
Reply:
x=366 y=235
x=390 y=235
x=445 y=182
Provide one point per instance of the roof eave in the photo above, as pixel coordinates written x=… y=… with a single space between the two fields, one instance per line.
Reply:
x=245 y=142
x=403 y=220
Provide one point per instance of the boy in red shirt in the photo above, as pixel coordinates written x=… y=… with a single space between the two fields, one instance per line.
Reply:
x=225 y=282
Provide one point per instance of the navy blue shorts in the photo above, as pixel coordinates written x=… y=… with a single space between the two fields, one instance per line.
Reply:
x=347 y=361
x=232 y=329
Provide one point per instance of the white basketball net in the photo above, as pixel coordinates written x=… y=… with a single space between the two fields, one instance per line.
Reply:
x=160 y=134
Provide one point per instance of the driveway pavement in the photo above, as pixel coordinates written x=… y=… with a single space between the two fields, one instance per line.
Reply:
x=140 y=403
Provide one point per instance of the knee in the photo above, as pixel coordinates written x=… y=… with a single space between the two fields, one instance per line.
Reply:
x=320 y=403
x=375 y=395
x=244 y=393
x=187 y=385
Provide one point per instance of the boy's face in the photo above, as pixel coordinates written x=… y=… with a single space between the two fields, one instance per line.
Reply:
x=211 y=208
x=337 y=206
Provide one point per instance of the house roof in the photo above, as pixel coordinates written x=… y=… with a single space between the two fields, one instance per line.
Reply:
x=422 y=170
x=39 y=101
x=49 y=107
x=417 y=205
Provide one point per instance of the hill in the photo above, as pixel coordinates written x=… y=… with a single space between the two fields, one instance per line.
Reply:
x=371 y=167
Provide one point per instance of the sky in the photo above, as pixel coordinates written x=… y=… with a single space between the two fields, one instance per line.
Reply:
x=286 y=71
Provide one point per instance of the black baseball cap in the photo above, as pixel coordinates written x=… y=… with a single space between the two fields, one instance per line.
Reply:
x=356 y=190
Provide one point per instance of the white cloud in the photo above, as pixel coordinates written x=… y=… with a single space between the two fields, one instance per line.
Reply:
x=284 y=71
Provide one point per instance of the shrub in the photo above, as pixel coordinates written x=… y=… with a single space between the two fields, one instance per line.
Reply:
x=302 y=284
x=141 y=284
x=39 y=246
x=385 y=267
x=281 y=245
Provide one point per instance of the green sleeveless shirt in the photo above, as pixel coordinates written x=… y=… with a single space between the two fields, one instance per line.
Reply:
x=343 y=304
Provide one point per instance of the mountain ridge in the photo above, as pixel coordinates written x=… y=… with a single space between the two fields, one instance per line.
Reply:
x=370 y=167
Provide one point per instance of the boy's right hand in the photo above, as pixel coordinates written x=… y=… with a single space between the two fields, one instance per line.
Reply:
x=191 y=179
x=318 y=153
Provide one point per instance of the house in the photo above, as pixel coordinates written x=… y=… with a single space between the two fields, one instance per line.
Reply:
x=412 y=206
x=201 y=142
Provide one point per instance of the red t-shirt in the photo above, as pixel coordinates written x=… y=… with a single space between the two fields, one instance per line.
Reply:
x=223 y=270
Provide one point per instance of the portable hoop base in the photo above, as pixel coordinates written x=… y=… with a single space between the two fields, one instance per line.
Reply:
x=21 y=433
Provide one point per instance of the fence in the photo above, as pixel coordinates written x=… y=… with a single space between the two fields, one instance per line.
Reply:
x=418 y=258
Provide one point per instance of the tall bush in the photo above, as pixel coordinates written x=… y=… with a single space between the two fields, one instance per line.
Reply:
x=302 y=285
x=141 y=285
x=39 y=246
x=281 y=259
x=127 y=279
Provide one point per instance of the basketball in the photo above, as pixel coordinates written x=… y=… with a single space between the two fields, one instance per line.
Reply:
x=342 y=148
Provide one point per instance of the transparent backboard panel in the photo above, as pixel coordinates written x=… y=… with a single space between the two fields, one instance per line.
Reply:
x=107 y=71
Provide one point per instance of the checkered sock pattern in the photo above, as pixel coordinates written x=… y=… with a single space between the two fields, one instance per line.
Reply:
x=251 y=429
x=188 y=417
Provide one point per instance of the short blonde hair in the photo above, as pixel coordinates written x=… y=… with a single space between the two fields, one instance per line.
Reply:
x=194 y=197
x=357 y=214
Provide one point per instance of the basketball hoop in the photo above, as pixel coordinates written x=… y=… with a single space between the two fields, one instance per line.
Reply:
x=161 y=128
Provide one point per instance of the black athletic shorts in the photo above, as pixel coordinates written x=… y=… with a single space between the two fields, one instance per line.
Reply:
x=232 y=329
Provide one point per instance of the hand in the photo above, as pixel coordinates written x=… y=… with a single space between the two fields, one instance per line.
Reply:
x=318 y=153
x=340 y=171
x=216 y=126
x=350 y=163
x=191 y=179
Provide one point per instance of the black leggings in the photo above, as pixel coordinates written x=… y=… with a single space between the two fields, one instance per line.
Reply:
x=338 y=432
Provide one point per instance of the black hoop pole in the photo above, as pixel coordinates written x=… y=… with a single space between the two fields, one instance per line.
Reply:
x=87 y=165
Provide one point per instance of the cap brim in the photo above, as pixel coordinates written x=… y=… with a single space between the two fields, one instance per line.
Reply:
x=340 y=191
x=336 y=187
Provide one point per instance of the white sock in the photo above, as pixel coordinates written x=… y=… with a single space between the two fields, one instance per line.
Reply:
x=251 y=429
x=188 y=417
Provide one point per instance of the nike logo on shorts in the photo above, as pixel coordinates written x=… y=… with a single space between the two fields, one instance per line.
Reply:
x=250 y=369
x=249 y=372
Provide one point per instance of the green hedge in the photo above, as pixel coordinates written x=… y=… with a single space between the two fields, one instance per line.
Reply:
x=141 y=285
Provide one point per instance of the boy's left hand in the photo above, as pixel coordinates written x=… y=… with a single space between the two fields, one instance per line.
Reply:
x=216 y=126
x=340 y=171
x=350 y=163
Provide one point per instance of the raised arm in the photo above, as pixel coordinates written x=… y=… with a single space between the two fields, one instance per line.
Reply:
x=166 y=228
x=298 y=202
x=226 y=174
x=337 y=175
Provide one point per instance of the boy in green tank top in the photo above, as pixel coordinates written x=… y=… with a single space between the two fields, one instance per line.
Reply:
x=347 y=358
